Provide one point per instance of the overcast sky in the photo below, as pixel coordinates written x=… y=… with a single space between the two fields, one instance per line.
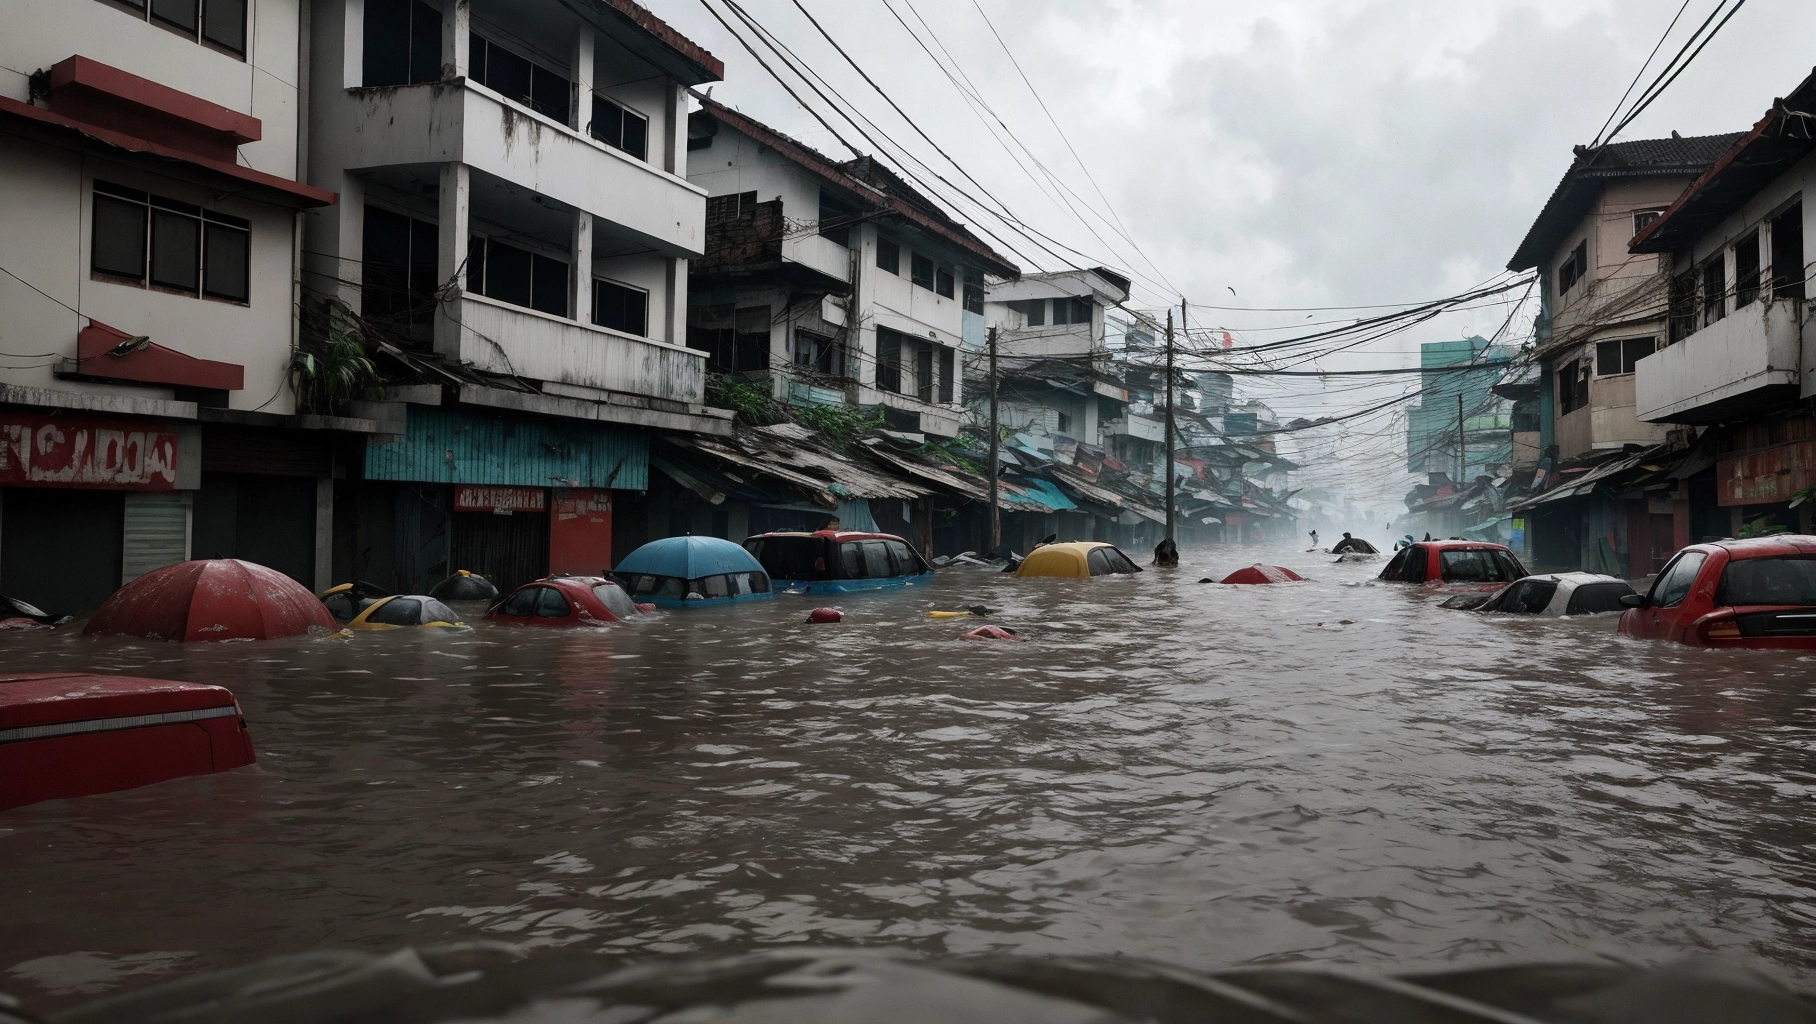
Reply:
x=1286 y=153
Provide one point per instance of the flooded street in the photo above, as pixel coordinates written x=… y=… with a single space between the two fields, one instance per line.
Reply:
x=1200 y=774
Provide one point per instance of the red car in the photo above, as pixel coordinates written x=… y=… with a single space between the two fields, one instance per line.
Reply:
x=1732 y=593
x=1455 y=564
x=565 y=601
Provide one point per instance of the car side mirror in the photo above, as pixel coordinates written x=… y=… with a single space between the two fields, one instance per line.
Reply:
x=1633 y=600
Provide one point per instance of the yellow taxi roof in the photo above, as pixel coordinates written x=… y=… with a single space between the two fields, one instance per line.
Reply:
x=1067 y=560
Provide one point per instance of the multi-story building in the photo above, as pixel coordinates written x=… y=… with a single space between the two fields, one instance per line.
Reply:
x=515 y=224
x=148 y=244
x=1455 y=401
x=1053 y=360
x=837 y=282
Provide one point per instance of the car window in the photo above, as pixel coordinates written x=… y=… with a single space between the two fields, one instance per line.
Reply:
x=789 y=558
x=851 y=560
x=715 y=586
x=1510 y=566
x=1769 y=581
x=1472 y=566
x=1527 y=597
x=907 y=563
x=1596 y=598
x=876 y=560
x=1120 y=562
x=521 y=604
x=399 y=611
x=759 y=583
x=615 y=599
x=1098 y=559
x=1673 y=585
x=435 y=611
x=340 y=605
x=1413 y=570
x=550 y=604
x=670 y=587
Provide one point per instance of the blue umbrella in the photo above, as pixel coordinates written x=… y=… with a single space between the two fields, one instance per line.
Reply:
x=689 y=558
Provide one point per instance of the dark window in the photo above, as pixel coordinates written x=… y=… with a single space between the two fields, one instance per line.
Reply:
x=1642 y=219
x=1109 y=561
x=399 y=275
x=924 y=385
x=876 y=560
x=921 y=270
x=1573 y=386
x=888 y=256
x=943 y=282
x=219 y=22
x=518 y=78
x=1683 y=307
x=729 y=208
x=1787 y=254
x=1417 y=564
x=170 y=244
x=183 y=14
x=551 y=604
x=1474 y=566
x=1597 y=598
x=623 y=128
x=1613 y=358
x=1072 y=311
x=1714 y=291
x=224 y=24
x=907 y=563
x=520 y=277
x=733 y=341
x=1574 y=269
x=819 y=353
x=521 y=604
x=888 y=361
x=1036 y=312
x=1769 y=581
x=1674 y=583
x=1528 y=597
x=1746 y=270
x=974 y=291
x=851 y=560
x=946 y=376
x=836 y=218
x=790 y=558
x=435 y=611
x=399 y=611
x=341 y=606
x=620 y=308
x=402 y=43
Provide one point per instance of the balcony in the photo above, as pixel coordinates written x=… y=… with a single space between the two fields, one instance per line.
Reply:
x=1749 y=360
x=462 y=122
x=502 y=338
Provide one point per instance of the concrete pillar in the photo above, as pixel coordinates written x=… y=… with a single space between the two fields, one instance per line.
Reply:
x=674 y=156
x=334 y=242
x=580 y=279
x=324 y=533
x=674 y=319
x=451 y=261
x=456 y=38
x=584 y=43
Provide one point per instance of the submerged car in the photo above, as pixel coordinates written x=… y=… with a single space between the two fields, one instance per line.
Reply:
x=407 y=611
x=1732 y=593
x=565 y=601
x=347 y=600
x=1475 y=565
x=690 y=572
x=1076 y=560
x=465 y=586
x=838 y=562
x=1561 y=593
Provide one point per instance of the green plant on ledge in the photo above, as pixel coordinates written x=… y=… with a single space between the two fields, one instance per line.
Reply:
x=843 y=425
x=331 y=366
x=747 y=399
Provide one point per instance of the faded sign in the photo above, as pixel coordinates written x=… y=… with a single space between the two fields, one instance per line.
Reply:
x=487 y=498
x=577 y=503
x=74 y=451
x=1767 y=476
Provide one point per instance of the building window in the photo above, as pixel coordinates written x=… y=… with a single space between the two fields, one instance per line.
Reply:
x=974 y=291
x=499 y=270
x=621 y=308
x=1714 y=291
x=836 y=218
x=1683 y=308
x=150 y=240
x=1572 y=386
x=1072 y=311
x=1613 y=358
x=403 y=43
x=727 y=209
x=888 y=256
x=1788 y=271
x=221 y=23
x=734 y=340
x=398 y=278
x=943 y=282
x=1642 y=219
x=888 y=361
x=921 y=268
x=947 y=359
x=1574 y=269
x=819 y=353
x=1035 y=310
x=1746 y=270
x=622 y=128
x=519 y=79
x=1064 y=424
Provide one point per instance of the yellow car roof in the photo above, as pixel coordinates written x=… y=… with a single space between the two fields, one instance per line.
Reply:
x=1067 y=560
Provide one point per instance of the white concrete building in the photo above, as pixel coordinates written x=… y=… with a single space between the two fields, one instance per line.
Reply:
x=1054 y=357
x=148 y=236
x=838 y=282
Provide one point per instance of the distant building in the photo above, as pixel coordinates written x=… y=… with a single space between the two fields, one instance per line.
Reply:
x=1446 y=395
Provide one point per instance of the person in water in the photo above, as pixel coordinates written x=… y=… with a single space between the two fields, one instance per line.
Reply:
x=1314 y=538
x=1166 y=553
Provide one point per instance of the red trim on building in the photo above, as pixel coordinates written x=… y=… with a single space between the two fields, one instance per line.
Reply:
x=107 y=97
x=151 y=363
x=292 y=193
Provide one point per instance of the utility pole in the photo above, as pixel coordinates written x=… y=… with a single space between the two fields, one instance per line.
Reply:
x=1169 y=441
x=1462 y=447
x=996 y=516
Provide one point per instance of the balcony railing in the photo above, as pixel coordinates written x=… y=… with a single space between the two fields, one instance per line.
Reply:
x=502 y=338
x=1750 y=359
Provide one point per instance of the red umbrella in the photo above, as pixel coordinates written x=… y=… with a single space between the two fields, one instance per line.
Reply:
x=211 y=599
x=1259 y=573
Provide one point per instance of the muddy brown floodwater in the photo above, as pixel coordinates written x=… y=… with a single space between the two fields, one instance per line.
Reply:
x=1200 y=774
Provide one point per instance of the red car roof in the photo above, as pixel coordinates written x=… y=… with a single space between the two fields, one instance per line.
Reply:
x=834 y=535
x=1781 y=545
x=1463 y=545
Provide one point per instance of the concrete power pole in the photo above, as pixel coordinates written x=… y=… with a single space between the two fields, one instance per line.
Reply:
x=1169 y=428
x=996 y=516
x=1462 y=446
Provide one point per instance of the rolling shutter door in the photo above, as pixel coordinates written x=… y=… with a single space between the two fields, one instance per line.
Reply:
x=157 y=532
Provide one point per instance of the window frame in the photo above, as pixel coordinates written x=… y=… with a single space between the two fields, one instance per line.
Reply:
x=916 y=262
x=889 y=255
x=600 y=284
x=1625 y=360
x=1656 y=594
x=479 y=71
x=143 y=10
x=199 y=218
x=1574 y=268
x=1643 y=219
x=623 y=113
x=482 y=260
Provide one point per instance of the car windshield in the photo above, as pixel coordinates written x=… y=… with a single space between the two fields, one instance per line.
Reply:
x=615 y=600
x=1596 y=598
x=435 y=611
x=1673 y=585
x=1479 y=565
x=1528 y=597
x=790 y=558
x=1769 y=581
